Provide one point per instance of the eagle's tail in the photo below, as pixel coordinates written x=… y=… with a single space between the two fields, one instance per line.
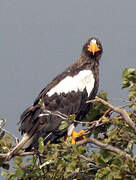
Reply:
x=27 y=129
x=36 y=122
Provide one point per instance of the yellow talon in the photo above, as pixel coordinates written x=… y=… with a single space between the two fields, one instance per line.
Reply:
x=76 y=135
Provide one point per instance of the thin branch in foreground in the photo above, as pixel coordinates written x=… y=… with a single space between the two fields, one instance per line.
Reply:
x=10 y=134
x=90 y=162
x=106 y=113
x=4 y=155
x=103 y=146
x=118 y=110
x=2 y=124
x=94 y=124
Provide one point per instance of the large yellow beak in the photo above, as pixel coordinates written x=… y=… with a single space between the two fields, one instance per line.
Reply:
x=93 y=47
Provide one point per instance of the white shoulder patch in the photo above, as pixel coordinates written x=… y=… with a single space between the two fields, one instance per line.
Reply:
x=84 y=79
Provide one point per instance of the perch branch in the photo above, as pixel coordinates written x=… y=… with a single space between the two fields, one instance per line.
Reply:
x=118 y=110
x=2 y=155
x=102 y=145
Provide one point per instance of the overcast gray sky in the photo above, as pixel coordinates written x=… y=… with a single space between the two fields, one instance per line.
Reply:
x=40 y=38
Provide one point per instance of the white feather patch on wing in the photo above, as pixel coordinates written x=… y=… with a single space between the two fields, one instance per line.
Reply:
x=84 y=79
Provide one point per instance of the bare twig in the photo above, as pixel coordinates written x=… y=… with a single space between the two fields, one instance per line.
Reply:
x=2 y=155
x=25 y=153
x=118 y=110
x=10 y=134
x=103 y=146
x=2 y=124
x=90 y=161
x=92 y=122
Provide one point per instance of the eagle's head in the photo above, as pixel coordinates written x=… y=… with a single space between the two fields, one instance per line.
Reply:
x=93 y=48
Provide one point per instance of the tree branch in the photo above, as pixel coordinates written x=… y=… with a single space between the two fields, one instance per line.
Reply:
x=118 y=110
x=2 y=155
x=102 y=145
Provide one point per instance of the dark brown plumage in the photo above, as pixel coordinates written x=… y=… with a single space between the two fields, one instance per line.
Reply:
x=65 y=95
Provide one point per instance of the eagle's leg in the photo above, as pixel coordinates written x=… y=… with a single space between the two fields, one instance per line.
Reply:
x=76 y=136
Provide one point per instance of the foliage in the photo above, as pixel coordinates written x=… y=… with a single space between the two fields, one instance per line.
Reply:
x=66 y=161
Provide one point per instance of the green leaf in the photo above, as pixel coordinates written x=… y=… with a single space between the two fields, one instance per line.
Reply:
x=42 y=104
x=3 y=173
x=105 y=120
x=41 y=145
x=128 y=77
x=19 y=173
x=63 y=125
